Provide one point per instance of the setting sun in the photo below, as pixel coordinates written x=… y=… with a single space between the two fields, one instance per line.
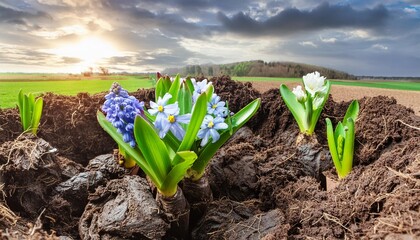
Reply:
x=91 y=51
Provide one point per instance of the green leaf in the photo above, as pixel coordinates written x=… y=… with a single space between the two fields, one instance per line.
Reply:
x=352 y=112
x=133 y=152
x=184 y=100
x=295 y=107
x=149 y=116
x=31 y=98
x=309 y=113
x=36 y=115
x=209 y=92
x=332 y=146
x=159 y=90
x=152 y=147
x=198 y=114
x=339 y=130
x=162 y=87
x=21 y=99
x=238 y=120
x=26 y=113
x=241 y=117
x=171 y=141
x=229 y=119
x=317 y=112
x=190 y=85
x=177 y=173
x=174 y=89
x=347 y=161
x=31 y=101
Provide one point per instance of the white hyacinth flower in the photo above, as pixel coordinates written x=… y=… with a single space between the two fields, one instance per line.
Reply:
x=314 y=83
x=299 y=93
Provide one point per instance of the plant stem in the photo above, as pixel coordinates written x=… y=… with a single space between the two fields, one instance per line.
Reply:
x=177 y=211
x=199 y=195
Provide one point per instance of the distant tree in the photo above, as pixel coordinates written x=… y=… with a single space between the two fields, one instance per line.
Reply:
x=241 y=69
x=198 y=70
x=88 y=73
x=210 y=71
x=104 y=71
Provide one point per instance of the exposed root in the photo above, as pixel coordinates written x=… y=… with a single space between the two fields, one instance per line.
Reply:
x=408 y=125
x=25 y=147
x=396 y=223
x=332 y=218
x=405 y=176
x=24 y=152
x=38 y=224
x=7 y=217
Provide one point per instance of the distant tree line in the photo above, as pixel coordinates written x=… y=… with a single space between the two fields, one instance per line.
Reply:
x=258 y=68
x=413 y=79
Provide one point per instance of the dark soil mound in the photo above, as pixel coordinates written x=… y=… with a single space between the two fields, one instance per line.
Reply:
x=261 y=184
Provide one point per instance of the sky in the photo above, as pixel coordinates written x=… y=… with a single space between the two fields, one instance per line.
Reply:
x=361 y=37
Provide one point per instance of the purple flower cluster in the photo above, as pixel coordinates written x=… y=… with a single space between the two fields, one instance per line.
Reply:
x=121 y=110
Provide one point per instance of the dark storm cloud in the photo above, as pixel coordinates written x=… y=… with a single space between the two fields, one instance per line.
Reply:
x=12 y=15
x=25 y=56
x=203 y=5
x=292 y=20
x=138 y=16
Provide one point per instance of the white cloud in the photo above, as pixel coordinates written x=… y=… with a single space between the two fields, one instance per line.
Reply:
x=308 y=44
x=104 y=24
x=228 y=48
x=192 y=20
x=359 y=34
x=410 y=10
x=63 y=31
x=380 y=47
x=160 y=51
x=328 y=40
x=72 y=3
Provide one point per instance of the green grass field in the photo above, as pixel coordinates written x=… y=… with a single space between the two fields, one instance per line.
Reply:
x=10 y=88
x=10 y=84
x=398 y=85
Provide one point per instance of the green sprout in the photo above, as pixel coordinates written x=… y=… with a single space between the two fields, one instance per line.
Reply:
x=341 y=141
x=30 y=110
x=306 y=104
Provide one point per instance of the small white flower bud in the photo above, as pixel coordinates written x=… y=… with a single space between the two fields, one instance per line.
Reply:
x=299 y=93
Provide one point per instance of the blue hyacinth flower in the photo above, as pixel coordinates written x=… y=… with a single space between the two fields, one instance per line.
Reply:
x=121 y=110
x=216 y=107
x=209 y=129
x=199 y=88
x=162 y=109
x=172 y=123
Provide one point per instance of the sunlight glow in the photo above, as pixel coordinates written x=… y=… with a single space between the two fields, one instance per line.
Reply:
x=91 y=51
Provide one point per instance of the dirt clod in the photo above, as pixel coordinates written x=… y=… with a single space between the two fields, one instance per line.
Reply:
x=124 y=209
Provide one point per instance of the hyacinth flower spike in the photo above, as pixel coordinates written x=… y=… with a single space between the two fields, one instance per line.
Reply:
x=306 y=103
x=121 y=110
